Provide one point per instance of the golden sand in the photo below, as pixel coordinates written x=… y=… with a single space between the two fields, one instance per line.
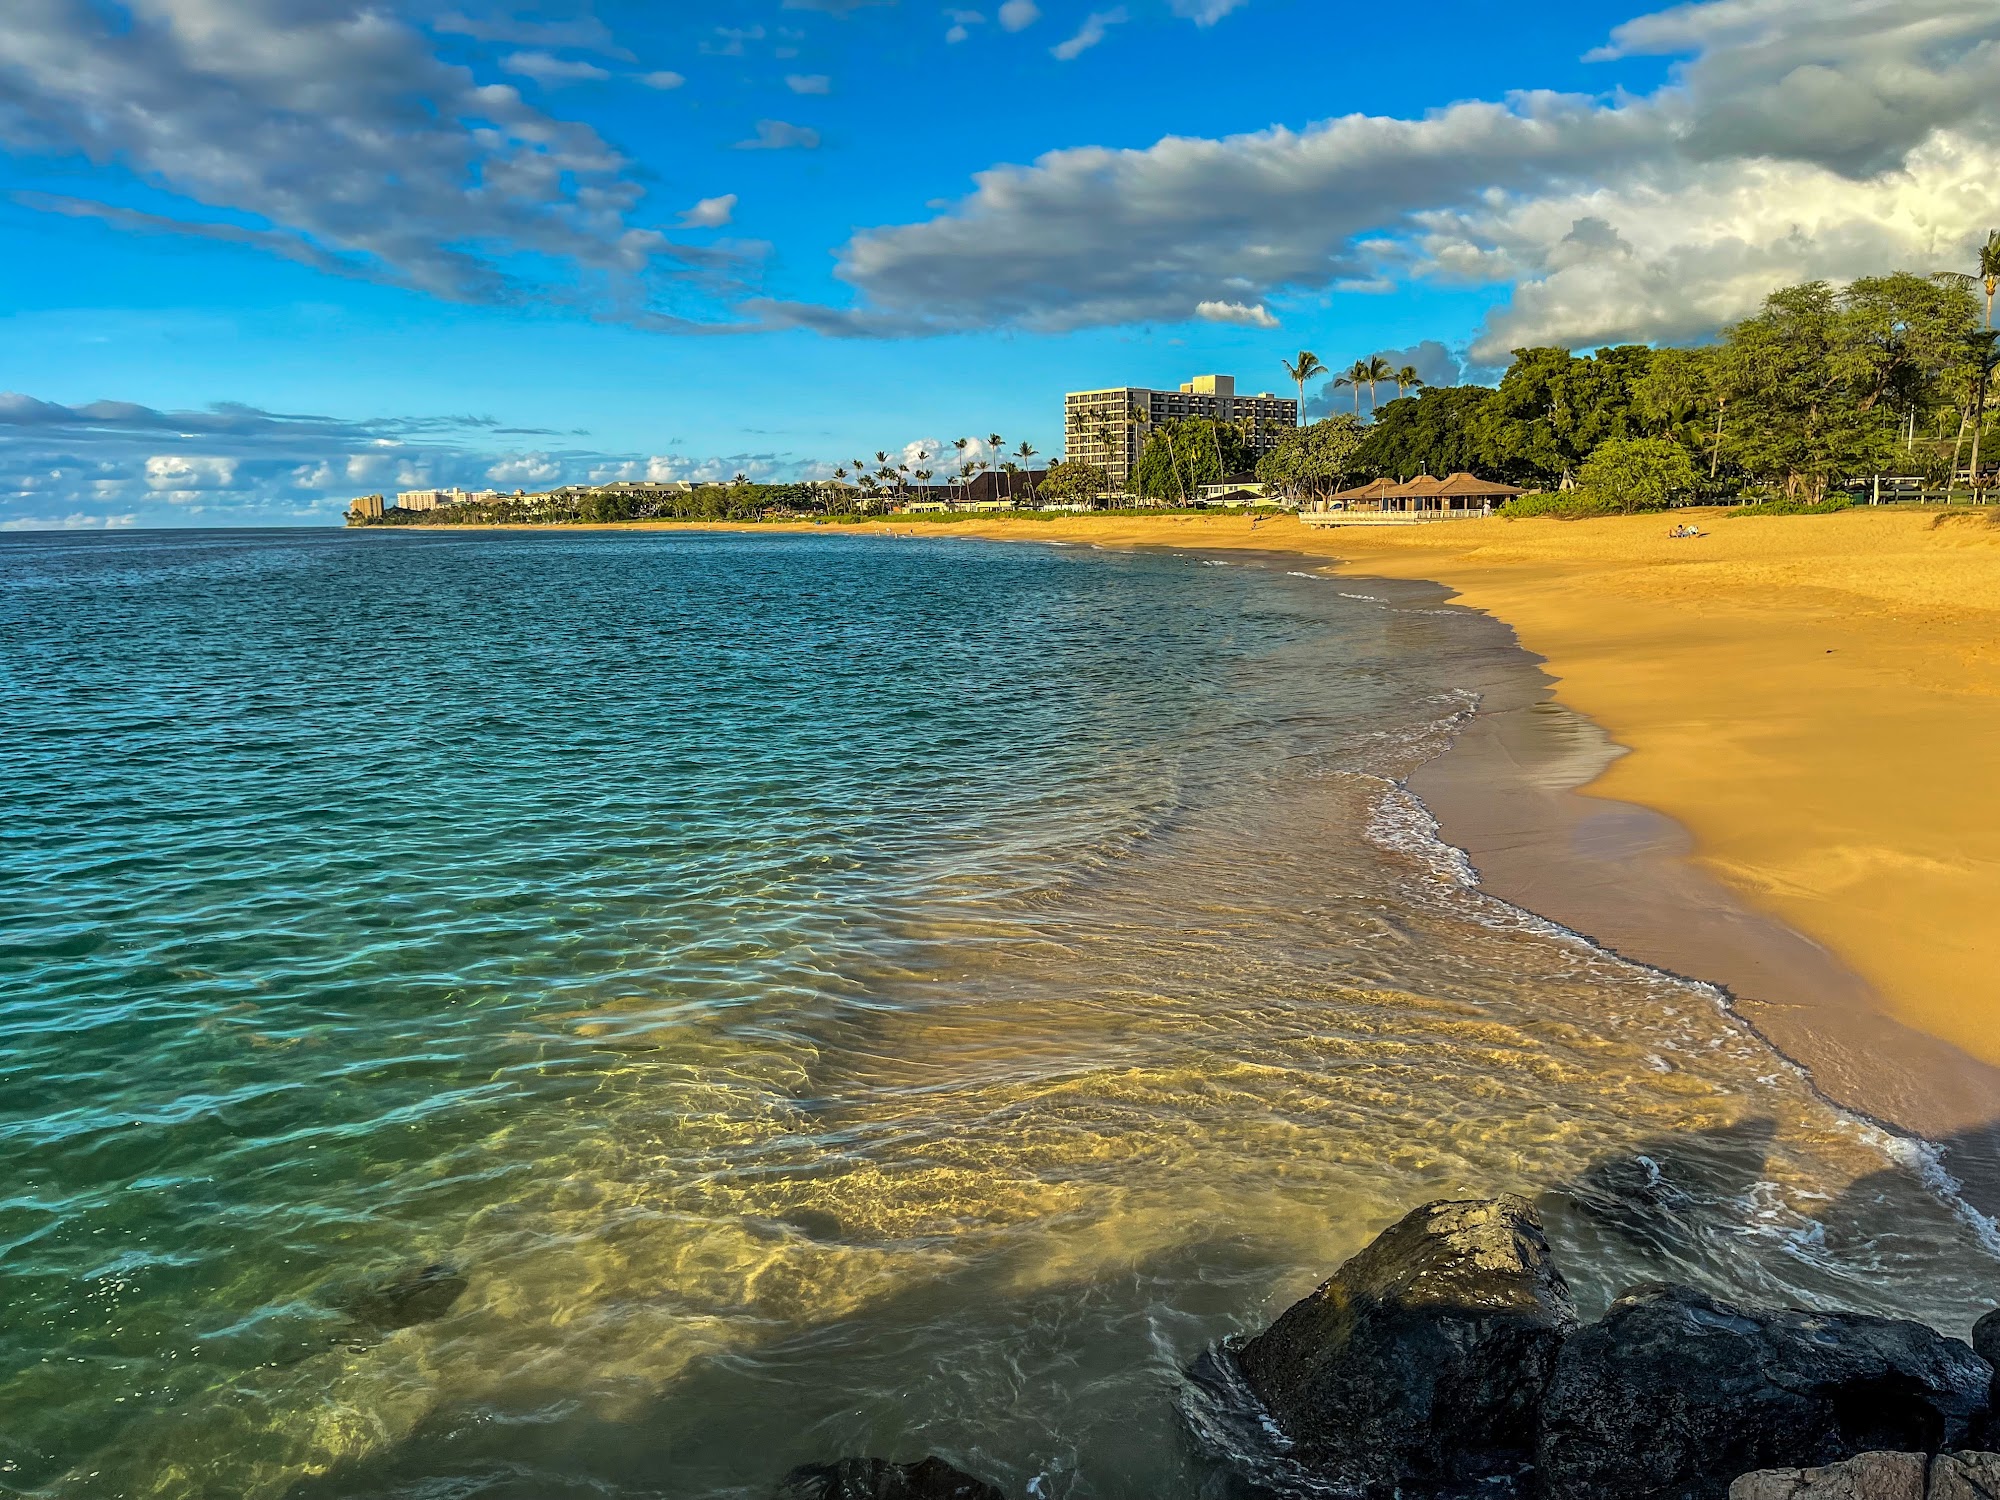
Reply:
x=1816 y=698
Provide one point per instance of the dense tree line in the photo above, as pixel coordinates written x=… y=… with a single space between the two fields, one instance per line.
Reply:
x=737 y=501
x=1888 y=375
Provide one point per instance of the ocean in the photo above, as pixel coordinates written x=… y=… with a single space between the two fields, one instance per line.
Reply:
x=622 y=1014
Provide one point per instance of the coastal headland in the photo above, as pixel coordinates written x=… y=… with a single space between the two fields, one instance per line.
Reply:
x=1815 y=701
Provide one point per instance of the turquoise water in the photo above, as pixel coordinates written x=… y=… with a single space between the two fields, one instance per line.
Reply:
x=813 y=995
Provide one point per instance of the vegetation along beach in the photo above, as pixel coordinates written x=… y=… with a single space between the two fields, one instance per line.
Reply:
x=842 y=750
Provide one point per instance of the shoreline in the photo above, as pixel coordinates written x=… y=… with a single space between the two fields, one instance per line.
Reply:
x=1769 y=685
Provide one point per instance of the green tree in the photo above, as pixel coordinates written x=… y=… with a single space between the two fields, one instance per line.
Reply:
x=1407 y=379
x=1305 y=367
x=1553 y=408
x=1436 y=431
x=1314 y=461
x=1803 y=394
x=1184 y=453
x=1632 y=474
x=1073 y=482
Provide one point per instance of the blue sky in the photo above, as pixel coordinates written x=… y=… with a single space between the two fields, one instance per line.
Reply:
x=262 y=255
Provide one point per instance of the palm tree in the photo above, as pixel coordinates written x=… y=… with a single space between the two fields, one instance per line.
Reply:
x=1355 y=376
x=1378 y=371
x=1025 y=452
x=1986 y=358
x=1407 y=379
x=1986 y=279
x=1299 y=371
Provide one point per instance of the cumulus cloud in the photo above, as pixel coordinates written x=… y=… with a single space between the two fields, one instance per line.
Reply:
x=809 y=83
x=710 y=213
x=1246 y=315
x=117 y=462
x=1019 y=15
x=1793 y=138
x=334 y=128
x=665 y=80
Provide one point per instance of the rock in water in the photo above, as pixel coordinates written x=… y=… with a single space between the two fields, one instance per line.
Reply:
x=1674 y=1395
x=1965 y=1476
x=1986 y=1338
x=1868 y=1476
x=1421 y=1362
x=1986 y=1344
x=406 y=1298
x=878 y=1479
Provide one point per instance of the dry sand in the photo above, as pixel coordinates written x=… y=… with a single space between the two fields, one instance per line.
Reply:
x=1815 y=700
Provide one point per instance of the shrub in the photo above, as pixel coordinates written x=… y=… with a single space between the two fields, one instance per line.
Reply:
x=1569 y=505
x=1634 y=474
x=1824 y=507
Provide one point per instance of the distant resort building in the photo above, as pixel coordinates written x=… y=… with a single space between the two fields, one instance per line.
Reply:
x=1109 y=428
x=993 y=489
x=366 y=507
x=438 y=499
x=1425 y=498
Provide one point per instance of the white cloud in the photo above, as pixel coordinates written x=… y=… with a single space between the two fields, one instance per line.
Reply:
x=666 y=80
x=1019 y=15
x=1798 y=138
x=75 y=521
x=1089 y=34
x=187 y=475
x=114 y=459
x=777 y=135
x=809 y=83
x=551 y=71
x=710 y=213
x=332 y=134
x=522 y=470
x=1247 y=316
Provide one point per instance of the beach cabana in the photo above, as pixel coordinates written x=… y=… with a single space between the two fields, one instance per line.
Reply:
x=1425 y=498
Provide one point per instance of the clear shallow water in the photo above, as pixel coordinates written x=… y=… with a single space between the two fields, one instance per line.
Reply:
x=823 y=995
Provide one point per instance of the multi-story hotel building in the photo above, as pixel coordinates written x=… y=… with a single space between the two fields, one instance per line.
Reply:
x=1110 y=428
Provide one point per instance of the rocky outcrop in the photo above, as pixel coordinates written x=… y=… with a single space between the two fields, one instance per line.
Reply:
x=1868 y=1476
x=878 y=1479
x=1986 y=1344
x=1965 y=1476
x=1674 y=1394
x=1421 y=1363
x=1880 y=1476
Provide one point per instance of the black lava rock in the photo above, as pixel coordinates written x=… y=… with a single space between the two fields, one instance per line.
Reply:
x=404 y=1299
x=1421 y=1363
x=1986 y=1344
x=878 y=1479
x=1675 y=1394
